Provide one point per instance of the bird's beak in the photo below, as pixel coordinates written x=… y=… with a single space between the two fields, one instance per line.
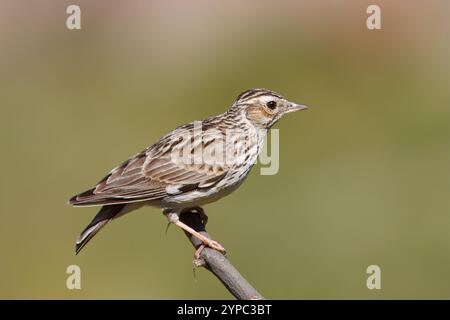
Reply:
x=295 y=107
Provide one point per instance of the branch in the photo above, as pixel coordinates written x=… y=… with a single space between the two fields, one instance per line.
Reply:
x=217 y=263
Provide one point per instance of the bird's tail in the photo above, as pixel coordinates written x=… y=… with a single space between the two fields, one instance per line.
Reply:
x=105 y=214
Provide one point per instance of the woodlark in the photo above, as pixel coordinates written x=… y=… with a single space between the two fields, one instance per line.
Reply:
x=195 y=164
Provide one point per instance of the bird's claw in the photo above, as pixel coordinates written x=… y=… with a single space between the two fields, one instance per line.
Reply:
x=216 y=246
x=197 y=263
x=198 y=260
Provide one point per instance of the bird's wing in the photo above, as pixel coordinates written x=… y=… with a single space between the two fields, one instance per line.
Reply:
x=177 y=163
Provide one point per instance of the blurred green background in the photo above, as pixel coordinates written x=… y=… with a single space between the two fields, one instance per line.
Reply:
x=364 y=174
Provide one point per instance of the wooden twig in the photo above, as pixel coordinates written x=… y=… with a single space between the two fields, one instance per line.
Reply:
x=217 y=263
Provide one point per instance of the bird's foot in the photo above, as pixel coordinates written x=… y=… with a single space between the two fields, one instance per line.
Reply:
x=206 y=242
x=198 y=260
x=216 y=246
x=211 y=244
x=197 y=254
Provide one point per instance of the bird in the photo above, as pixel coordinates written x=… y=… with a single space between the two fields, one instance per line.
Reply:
x=193 y=165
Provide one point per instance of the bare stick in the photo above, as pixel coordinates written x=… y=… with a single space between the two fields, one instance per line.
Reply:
x=217 y=263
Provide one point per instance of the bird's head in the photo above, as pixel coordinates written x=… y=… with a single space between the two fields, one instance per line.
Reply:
x=263 y=108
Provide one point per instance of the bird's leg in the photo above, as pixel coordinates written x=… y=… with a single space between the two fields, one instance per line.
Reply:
x=173 y=218
x=198 y=252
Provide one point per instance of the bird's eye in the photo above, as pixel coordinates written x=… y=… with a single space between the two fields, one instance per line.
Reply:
x=271 y=105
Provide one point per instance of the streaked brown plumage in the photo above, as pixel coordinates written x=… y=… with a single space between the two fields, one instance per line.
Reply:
x=193 y=165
